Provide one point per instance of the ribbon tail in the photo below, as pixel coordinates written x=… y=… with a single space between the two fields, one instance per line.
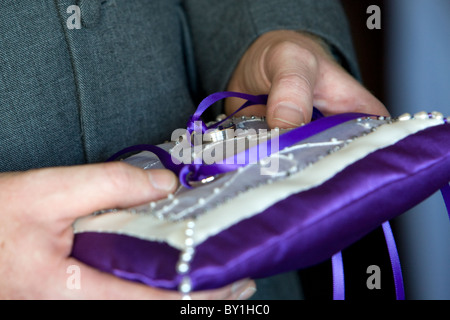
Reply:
x=338 y=276
x=395 y=261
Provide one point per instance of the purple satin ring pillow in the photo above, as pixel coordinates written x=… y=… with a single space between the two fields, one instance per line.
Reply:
x=255 y=202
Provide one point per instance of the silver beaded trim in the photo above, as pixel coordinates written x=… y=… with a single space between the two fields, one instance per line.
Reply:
x=423 y=115
x=184 y=261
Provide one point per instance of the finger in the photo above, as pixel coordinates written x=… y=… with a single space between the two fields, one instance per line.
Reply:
x=292 y=70
x=240 y=290
x=339 y=92
x=94 y=284
x=80 y=190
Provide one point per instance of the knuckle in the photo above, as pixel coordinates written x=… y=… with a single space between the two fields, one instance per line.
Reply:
x=291 y=50
x=118 y=175
x=296 y=81
x=297 y=66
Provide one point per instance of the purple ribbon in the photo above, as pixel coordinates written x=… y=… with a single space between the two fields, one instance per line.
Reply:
x=395 y=261
x=215 y=97
x=338 y=276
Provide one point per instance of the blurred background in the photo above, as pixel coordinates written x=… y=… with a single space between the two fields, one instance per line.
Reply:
x=406 y=64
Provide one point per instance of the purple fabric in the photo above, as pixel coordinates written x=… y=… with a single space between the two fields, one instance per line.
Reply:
x=319 y=222
x=300 y=231
x=152 y=263
x=322 y=221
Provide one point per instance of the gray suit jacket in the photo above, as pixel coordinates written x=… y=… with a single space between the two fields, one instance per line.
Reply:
x=134 y=71
x=132 y=74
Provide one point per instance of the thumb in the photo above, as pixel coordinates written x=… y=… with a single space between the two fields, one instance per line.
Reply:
x=71 y=192
x=292 y=72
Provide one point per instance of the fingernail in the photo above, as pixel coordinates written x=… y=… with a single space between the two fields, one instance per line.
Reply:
x=288 y=114
x=243 y=289
x=247 y=293
x=162 y=179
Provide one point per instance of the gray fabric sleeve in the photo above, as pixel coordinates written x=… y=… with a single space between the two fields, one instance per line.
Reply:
x=222 y=30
